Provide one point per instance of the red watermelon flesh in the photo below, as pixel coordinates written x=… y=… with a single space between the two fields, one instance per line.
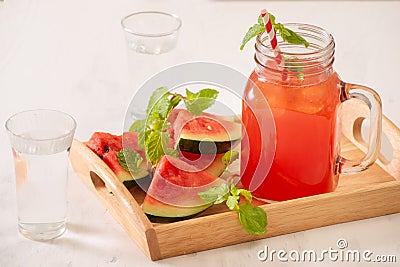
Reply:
x=174 y=189
x=130 y=141
x=101 y=143
x=110 y=158
x=171 y=119
x=211 y=163
x=204 y=134
x=107 y=146
x=175 y=112
x=205 y=127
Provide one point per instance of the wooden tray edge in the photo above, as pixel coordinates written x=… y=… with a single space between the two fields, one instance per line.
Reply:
x=284 y=217
x=101 y=180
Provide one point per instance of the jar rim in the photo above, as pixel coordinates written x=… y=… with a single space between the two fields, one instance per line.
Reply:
x=330 y=44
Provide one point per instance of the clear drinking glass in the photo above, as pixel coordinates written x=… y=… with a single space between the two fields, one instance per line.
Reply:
x=40 y=142
x=151 y=37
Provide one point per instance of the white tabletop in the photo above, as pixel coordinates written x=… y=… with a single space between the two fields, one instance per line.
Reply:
x=71 y=55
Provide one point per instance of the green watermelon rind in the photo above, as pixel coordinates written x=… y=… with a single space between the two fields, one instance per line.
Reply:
x=207 y=146
x=156 y=208
x=210 y=143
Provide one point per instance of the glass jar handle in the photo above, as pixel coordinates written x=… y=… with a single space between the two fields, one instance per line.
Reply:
x=373 y=101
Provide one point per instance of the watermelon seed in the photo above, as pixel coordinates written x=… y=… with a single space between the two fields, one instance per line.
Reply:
x=106 y=149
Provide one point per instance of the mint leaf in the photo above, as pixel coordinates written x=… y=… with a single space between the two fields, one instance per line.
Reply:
x=156 y=96
x=216 y=194
x=152 y=136
x=261 y=21
x=290 y=36
x=162 y=107
x=166 y=125
x=152 y=131
x=253 y=219
x=129 y=160
x=234 y=190
x=156 y=143
x=252 y=32
x=159 y=125
x=286 y=34
x=246 y=194
x=272 y=18
x=232 y=202
x=196 y=103
x=190 y=95
x=163 y=102
x=175 y=100
x=206 y=93
x=230 y=157
x=138 y=126
x=142 y=136
x=171 y=152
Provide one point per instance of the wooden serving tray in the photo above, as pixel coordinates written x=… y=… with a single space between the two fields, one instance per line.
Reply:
x=372 y=193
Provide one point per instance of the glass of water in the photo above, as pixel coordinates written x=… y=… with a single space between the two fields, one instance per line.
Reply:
x=40 y=142
x=151 y=37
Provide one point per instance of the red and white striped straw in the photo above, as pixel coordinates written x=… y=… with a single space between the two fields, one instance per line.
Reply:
x=270 y=30
x=273 y=41
x=271 y=35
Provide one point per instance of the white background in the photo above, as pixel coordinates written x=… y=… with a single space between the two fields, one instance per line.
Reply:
x=71 y=55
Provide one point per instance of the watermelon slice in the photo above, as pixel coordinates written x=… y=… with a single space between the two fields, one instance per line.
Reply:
x=106 y=146
x=101 y=143
x=174 y=189
x=203 y=134
x=110 y=158
x=211 y=163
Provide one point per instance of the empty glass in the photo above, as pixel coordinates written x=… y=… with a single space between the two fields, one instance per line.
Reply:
x=151 y=37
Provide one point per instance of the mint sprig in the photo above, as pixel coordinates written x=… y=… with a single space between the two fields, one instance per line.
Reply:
x=129 y=159
x=152 y=131
x=286 y=34
x=253 y=31
x=252 y=218
x=196 y=103
x=216 y=194
x=156 y=143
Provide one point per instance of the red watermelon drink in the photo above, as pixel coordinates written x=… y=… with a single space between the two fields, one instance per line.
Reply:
x=305 y=95
x=306 y=141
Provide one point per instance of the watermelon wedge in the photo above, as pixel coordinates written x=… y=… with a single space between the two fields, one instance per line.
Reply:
x=107 y=145
x=110 y=158
x=211 y=163
x=101 y=143
x=174 y=189
x=203 y=134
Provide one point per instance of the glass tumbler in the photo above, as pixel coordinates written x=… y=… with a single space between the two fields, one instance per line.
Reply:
x=40 y=142
x=151 y=37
